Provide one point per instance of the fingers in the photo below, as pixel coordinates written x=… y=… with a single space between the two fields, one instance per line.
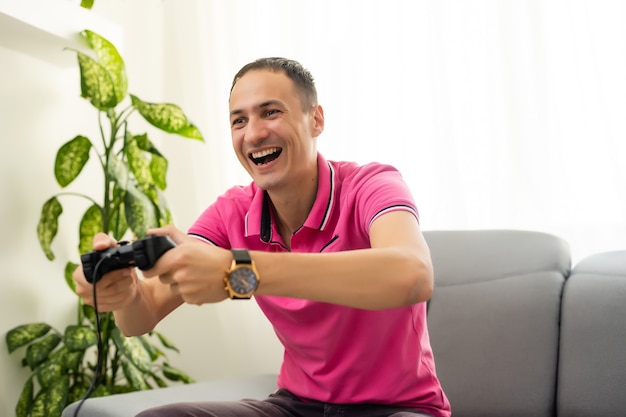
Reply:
x=79 y=276
x=173 y=258
x=167 y=279
x=178 y=236
x=194 y=288
x=114 y=290
x=103 y=241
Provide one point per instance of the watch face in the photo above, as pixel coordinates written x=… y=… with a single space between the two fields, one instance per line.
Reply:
x=243 y=280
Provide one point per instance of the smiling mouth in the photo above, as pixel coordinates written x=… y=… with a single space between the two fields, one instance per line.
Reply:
x=265 y=156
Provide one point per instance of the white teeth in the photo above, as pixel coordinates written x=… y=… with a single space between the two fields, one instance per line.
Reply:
x=266 y=152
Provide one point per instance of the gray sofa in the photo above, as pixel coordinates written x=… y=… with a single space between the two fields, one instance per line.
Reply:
x=515 y=330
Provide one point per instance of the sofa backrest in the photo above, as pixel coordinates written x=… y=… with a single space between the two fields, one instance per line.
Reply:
x=494 y=319
x=592 y=362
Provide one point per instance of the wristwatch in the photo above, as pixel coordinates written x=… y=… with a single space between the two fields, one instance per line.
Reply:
x=242 y=279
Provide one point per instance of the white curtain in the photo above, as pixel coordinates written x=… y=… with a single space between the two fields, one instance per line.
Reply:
x=500 y=114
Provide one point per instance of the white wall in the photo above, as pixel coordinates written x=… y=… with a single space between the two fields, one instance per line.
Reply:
x=40 y=110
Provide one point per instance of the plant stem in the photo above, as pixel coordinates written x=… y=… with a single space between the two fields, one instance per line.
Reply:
x=70 y=193
x=106 y=209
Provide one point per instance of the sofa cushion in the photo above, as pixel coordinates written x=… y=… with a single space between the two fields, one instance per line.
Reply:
x=494 y=319
x=127 y=405
x=592 y=363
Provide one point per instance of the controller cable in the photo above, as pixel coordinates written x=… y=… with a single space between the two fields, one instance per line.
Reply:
x=100 y=358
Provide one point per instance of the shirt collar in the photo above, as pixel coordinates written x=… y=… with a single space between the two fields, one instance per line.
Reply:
x=259 y=217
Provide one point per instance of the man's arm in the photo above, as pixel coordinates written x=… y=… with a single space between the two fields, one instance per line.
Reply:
x=152 y=302
x=396 y=271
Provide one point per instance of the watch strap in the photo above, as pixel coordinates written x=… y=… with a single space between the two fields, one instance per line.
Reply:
x=241 y=256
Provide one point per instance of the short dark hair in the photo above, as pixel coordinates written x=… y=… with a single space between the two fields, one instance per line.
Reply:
x=301 y=77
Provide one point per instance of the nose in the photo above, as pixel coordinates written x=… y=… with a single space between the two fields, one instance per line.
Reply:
x=256 y=131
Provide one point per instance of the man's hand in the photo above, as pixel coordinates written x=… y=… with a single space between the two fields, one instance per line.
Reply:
x=115 y=290
x=193 y=270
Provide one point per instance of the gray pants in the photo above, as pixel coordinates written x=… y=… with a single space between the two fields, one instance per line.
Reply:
x=280 y=404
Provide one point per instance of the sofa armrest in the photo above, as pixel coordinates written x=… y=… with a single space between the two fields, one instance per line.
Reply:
x=592 y=358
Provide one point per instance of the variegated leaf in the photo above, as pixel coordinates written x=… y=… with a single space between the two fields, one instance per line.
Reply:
x=133 y=350
x=58 y=395
x=108 y=56
x=38 y=351
x=139 y=211
x=90 y=224
x=167 y=117
x=134 y=376
x=39 y=404
x=48 y=372
x=48 y=225
x=70 y=267
x=138 y=163
x=174 y=374
x=79 y=338
x=96 y=83
x=25 y=334
x=25 y=401
x=71 y=159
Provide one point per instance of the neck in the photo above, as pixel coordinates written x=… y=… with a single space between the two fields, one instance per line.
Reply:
x=291 y=208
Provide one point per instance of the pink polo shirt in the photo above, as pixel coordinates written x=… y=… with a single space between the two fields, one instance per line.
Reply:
x=332 y=353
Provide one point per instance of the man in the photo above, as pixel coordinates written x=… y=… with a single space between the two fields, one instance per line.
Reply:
x=331 y=251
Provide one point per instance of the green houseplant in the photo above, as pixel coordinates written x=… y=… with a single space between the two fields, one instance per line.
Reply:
x=134 y=177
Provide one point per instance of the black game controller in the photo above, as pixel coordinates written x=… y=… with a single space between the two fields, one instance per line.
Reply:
x=142 y=253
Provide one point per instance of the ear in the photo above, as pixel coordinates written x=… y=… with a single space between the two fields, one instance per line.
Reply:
x=317 y=117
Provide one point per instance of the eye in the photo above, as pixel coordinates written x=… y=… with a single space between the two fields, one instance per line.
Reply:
x=238 y=121
x=271 y=112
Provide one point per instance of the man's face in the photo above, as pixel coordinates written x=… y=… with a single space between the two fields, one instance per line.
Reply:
x=273 y=137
